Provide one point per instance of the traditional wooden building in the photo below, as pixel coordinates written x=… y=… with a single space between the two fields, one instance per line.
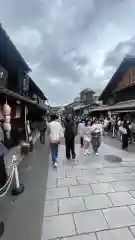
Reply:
x=86 y=101
x=17 y=89
x=119 y=94
x=121 y=87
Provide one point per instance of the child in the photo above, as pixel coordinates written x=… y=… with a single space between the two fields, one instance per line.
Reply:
x=87 y=137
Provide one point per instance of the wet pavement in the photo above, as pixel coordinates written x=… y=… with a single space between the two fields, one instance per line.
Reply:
x=91 y=198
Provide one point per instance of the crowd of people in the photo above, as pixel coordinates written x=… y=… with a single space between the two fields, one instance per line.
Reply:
x=90 y=130
x=124 y=129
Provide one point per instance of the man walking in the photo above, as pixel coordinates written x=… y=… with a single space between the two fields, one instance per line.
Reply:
x=70 y=133
x=42 y=129
x=56 y=132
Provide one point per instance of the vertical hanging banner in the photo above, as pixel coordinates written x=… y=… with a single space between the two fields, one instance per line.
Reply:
x=3 y=77
x=26 y=83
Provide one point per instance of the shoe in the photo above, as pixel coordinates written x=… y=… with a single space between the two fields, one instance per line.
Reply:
x=85 y=154
x=74 y=156
x=55 y=165
x=88 y=153
x=68 y=158
x=97 y=154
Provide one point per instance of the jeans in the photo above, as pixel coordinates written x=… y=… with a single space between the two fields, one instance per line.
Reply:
x=54 y=151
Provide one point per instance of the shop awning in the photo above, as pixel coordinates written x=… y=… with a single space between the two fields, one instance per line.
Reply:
x=78 y=107
x=121 y=105
x=125 y=111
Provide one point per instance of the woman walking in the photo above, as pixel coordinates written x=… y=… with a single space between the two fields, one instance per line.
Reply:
x=87 y=137
x=96 y=133
x=125 y=134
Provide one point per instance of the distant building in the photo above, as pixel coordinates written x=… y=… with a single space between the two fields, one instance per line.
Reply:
x=86 y=96
x=77 y=99
x=82 y=105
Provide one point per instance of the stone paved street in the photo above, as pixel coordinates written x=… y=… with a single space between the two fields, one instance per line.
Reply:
x=91 y=198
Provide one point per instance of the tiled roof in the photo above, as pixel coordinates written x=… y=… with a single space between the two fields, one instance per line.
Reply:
x=118 y=106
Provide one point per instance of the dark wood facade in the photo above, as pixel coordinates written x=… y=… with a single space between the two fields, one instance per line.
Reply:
x=17 y=88
x=122 y=85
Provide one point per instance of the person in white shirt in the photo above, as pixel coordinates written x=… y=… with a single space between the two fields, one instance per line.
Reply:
x=87 y=136
x=56 y=132
x=106 y=122
x=80 y=132
x=96 y=133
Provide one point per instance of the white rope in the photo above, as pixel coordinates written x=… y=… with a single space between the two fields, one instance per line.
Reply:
x=7 y=181
x=11 y=178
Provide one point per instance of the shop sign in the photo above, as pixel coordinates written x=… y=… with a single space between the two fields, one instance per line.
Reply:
x=26 y=83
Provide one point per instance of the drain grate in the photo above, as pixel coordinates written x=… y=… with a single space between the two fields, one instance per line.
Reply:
x=112 y=158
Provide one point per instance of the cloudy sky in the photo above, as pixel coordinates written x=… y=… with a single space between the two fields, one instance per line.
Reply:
x=70 y=44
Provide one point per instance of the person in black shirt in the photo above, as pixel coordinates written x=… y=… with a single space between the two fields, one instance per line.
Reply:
x=70 y=133
x=125 y=135
x=42 y=129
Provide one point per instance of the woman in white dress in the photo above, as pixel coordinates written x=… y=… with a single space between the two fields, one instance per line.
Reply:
x=80 y=132
x=87 y=137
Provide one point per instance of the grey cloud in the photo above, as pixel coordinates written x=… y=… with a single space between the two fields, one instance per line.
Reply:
x=16 y=13
x=57 y=66
x=115 y=56
x=70 y=30
x=80 y=60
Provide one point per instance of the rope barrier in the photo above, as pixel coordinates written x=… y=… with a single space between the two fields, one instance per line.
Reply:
x=18 y=188
x=18 y=162
x=10 y=182
x=1 y=189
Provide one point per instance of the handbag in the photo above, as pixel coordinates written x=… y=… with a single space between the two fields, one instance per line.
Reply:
x=123 y=130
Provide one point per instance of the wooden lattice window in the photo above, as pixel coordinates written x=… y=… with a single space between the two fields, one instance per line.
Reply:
x=128 y=79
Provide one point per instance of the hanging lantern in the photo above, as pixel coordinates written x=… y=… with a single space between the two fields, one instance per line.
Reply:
x=7 y=126
x=7 y=119
x=6 y=110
